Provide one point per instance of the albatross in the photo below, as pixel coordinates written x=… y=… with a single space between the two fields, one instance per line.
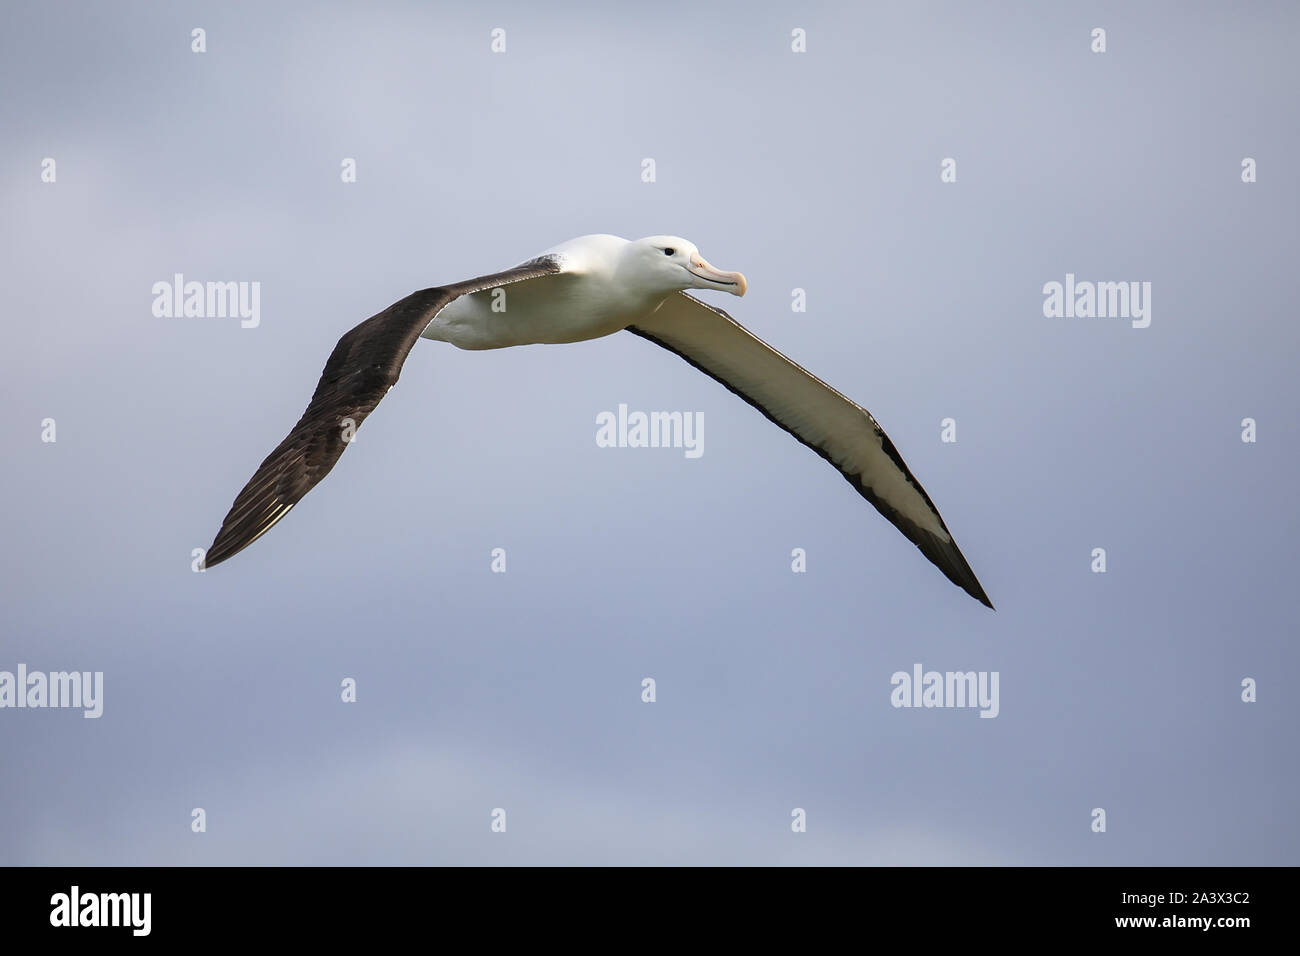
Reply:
x=582 y=289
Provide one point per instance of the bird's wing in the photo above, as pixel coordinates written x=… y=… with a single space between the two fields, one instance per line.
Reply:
x=362 y=368
x=838 y=429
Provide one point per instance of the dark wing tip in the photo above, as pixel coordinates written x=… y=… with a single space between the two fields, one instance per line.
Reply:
x=942 y=553
x=947 y=557
x=235 y=536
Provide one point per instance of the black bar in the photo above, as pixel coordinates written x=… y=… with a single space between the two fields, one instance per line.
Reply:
x=330 y=904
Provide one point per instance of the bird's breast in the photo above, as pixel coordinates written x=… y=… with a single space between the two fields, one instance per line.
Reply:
x=550 y=309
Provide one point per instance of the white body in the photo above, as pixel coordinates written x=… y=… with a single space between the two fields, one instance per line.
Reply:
x=602 y=288
x=570 y=306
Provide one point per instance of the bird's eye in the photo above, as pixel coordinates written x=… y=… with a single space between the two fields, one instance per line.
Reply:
x=669 y=251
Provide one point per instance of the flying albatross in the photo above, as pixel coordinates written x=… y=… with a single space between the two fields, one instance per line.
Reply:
x=584 y=289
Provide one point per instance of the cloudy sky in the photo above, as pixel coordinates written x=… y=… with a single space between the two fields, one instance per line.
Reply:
x=817 y=170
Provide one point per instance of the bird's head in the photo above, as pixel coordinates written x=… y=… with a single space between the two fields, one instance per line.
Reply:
x=672 y=264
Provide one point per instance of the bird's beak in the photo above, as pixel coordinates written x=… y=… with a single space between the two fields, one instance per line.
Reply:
x=711 y=278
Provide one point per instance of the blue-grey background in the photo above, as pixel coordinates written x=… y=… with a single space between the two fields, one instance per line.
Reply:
x=522 y=691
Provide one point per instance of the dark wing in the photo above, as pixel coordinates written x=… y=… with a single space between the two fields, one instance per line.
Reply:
x=362 y=368
x=838 y=429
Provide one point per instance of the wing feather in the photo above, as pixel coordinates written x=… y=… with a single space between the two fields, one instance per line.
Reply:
x=837 y=428
x=364 y=365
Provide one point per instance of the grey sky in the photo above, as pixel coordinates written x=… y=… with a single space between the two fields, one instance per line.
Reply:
x=477 y=690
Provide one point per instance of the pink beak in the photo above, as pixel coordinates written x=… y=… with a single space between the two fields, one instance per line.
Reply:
x=711 y=278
